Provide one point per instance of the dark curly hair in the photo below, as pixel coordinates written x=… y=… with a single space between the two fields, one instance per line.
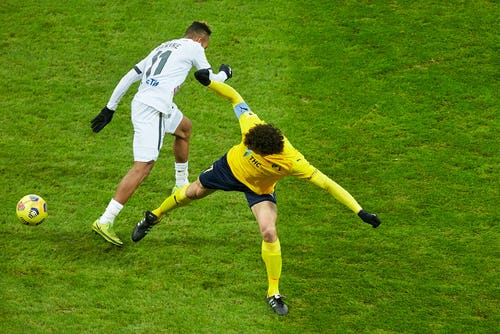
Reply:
x=264 y=139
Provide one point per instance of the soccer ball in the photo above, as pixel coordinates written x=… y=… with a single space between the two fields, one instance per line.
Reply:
x=32 y=210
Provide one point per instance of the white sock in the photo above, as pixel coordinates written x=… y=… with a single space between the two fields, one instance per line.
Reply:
x=181 y=174
x=111 y=212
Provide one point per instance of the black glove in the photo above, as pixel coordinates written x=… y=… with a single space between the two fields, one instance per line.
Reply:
x=203 y=76
x=227 y=69
x=369 y=218
x=101 y=120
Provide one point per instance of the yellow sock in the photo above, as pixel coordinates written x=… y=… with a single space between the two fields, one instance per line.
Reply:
x=178 y=198
x=271 y=254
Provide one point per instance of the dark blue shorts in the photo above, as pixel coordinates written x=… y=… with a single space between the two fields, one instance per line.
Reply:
x=220 y=177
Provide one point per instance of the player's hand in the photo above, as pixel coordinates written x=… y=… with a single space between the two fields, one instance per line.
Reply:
x=203 y=76
x=227 y=69
x=101 y=120
x=369 y=218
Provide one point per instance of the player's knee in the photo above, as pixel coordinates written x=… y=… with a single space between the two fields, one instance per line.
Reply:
x=143 y=168
x=196 y=190
x=184 y=129
x=193 y=190
x=269 y=234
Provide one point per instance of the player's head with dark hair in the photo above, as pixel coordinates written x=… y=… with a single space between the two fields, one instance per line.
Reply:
x=199 y=32
x=264 y=139
x=198 y=28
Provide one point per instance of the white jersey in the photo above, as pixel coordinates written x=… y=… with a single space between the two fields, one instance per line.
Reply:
x=162 y=72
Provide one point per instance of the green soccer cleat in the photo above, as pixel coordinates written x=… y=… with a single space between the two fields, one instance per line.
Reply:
x=277 y=304
x=106 y=231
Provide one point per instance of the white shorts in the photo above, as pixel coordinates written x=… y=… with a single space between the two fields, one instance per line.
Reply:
x=150 y=127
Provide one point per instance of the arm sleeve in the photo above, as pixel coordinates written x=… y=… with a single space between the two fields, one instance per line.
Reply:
x=321 y=180
x=221 y=76
x=126 y=81
x=227 y=92
x=201 y=62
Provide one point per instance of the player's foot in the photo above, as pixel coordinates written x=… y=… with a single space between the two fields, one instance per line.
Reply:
x=144 y=226
x=107 y=232
x=277 y=304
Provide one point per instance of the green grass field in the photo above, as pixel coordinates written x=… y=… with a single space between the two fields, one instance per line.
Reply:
x=395 y=100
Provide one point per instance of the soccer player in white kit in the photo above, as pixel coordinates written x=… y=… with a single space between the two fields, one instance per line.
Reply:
x=154 y=114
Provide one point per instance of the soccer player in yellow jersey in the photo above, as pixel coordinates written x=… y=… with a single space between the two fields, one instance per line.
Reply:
x=254 y=166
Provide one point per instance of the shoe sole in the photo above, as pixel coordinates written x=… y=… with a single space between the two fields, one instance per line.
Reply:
x=105 y=236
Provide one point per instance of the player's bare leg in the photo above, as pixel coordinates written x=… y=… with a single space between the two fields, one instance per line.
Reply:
x=132 y=180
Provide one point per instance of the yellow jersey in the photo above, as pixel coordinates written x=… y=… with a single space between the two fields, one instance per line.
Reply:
x=261 y=173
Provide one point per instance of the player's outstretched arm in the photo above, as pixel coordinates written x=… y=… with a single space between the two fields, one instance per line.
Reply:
x=344 y=197
x=106 y=114
x=224 y=90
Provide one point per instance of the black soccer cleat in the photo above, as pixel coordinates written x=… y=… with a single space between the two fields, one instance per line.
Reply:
x=144 y=226
x=277 y=304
